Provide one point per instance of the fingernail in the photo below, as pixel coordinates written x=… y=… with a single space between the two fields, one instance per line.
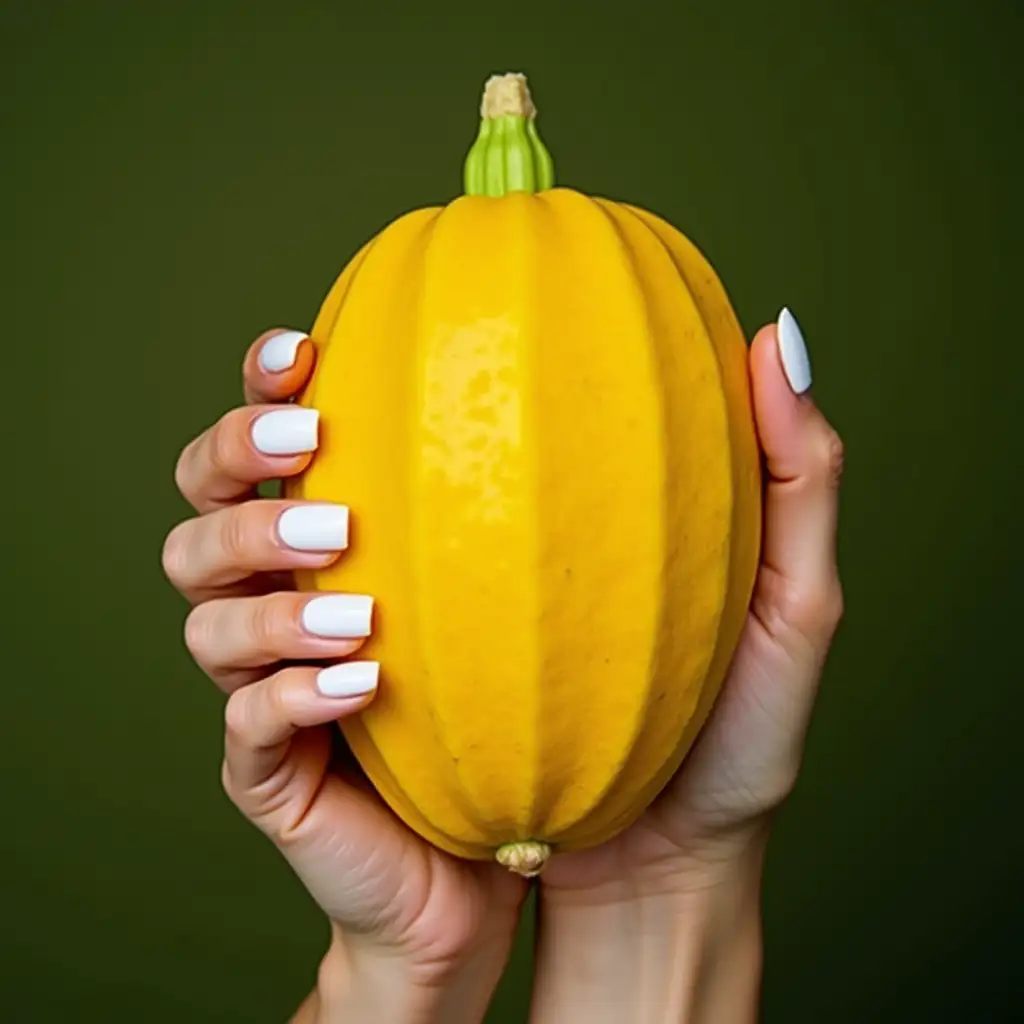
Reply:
x=314 y=527
x=349 y=679
x=278 y=353
x=793 y=350
x=286 y=431
x=341 y=616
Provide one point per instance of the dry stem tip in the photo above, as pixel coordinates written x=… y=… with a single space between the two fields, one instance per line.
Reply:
x=526 y=859
x=507 y=95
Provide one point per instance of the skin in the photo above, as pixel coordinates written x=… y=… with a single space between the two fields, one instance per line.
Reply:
x=662 y=920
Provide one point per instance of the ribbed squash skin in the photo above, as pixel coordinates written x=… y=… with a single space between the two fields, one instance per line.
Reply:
x=537 y=408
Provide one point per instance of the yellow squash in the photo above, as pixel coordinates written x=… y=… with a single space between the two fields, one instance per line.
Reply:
x=536 y=405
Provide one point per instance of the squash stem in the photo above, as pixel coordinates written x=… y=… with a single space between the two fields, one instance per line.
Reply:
x=508 y=154
x=526 y=859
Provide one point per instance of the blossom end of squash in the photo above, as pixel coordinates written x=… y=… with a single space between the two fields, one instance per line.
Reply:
x=526 y=859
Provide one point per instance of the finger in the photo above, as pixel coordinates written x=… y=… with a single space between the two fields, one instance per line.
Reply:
x=212 y=552
x=262 y=719
x=244 y=448
x=231 y=639
x=804 y=459
x=277 y=366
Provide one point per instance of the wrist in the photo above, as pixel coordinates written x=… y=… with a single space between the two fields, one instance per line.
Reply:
x=357 y=983
x=678 y=943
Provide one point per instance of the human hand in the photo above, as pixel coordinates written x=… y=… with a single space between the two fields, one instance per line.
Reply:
x=416 y=935
x=662 y=922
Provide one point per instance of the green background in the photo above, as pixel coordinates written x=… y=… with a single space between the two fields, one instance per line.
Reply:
x=179 y=177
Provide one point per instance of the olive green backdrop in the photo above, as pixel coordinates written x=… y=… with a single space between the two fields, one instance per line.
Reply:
x=179 y=177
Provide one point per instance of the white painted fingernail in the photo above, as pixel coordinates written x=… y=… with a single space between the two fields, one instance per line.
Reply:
x=278 y=353
x=349 y=679
x=795 y=361
x=314 y=527
x=341 y=616
x=286 y=431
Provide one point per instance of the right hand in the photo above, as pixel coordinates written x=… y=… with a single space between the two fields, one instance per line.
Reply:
x=416 y=934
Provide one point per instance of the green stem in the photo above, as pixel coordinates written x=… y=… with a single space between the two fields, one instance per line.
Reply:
x=508 y=154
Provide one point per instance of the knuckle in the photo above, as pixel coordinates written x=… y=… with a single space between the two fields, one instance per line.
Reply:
x=234 y=792
x=280 y=693
x=816 y=612
x=199 y=632
x=236 y=535
x=224 y=446
x=238 y=714
x=835 y=604
x=226 y=782
x=266 y=625
x=811 y=611
x=833 y=458
x=181 y=478
x=174 y=556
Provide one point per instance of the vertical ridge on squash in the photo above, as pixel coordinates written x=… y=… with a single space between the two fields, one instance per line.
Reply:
x=473 y=497
x=727 y=335
x=358 y=437
x=532 y=778
x=330 y=309
x=436 y=465
x=598 y=507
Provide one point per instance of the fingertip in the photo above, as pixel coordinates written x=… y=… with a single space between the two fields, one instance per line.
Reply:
x=777 y=408
x=278 y=365
x=262 y=717
x=791 y=428
x=290 y=430
x=765 y=365
x=764 y=343
x=280 y=350
x=780 y=352
x=354 y=683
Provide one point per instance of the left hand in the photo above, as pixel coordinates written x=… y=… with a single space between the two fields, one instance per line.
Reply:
x=696 y=853
x=415 y=935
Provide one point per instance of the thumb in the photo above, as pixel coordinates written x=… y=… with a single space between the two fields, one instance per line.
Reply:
x=798 y=590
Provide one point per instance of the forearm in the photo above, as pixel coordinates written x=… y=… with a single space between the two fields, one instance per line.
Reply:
x=687 y=955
